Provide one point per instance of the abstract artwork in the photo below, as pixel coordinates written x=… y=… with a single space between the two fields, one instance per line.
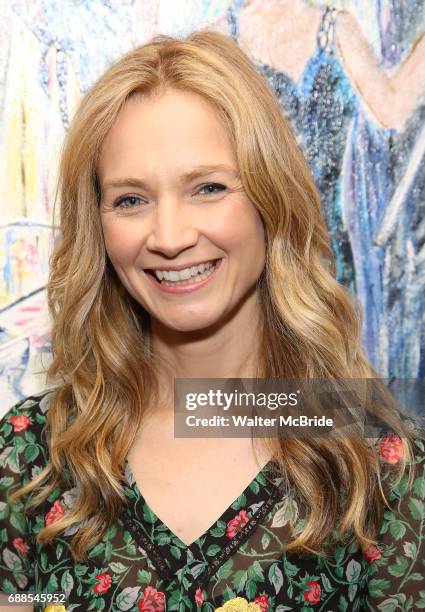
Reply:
x=350 y=77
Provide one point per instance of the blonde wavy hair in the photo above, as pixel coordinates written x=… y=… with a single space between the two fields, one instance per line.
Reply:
x=104 y=372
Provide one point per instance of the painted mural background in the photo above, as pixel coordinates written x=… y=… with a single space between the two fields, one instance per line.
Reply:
x=350 y=76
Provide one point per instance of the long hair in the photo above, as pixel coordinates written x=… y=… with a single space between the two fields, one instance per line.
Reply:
x=104 y=371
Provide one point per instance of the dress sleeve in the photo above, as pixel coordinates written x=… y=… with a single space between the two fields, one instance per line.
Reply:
x=18 y=445
x=396 y=571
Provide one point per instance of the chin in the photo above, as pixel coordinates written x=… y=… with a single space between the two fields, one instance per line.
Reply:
x=189 y=323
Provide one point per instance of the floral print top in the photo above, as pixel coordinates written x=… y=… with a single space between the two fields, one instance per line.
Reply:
x=237 y=564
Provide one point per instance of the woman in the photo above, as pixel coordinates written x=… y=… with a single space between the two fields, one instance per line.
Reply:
x=177 y=156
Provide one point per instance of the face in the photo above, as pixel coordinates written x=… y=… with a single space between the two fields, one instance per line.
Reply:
x=171 y=197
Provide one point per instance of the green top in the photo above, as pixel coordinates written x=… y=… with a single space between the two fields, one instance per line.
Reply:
x=141 y=565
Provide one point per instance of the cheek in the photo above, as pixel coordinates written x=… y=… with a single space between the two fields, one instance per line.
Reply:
x=122 y=242
x=242 y=226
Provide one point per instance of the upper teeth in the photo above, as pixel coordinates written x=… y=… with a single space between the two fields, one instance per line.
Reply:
x=175 y=275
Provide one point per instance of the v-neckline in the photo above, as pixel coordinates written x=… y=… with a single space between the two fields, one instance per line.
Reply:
x=170 y=554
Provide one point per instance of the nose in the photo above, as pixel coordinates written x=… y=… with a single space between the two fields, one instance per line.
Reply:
x=172 y=229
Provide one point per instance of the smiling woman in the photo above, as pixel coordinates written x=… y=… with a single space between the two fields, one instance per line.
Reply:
x=164 y=239
x=192 y=246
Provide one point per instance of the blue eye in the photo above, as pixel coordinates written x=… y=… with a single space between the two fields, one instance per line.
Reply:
x=214 y=185
x=131 y=199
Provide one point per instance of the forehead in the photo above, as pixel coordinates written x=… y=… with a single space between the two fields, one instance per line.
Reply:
x=173 y=124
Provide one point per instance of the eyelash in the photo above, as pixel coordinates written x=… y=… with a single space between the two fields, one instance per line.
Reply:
x=119 y=202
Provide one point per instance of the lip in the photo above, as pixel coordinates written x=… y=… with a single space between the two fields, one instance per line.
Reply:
x=184 y=288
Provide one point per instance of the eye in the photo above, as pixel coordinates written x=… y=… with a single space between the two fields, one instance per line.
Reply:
x=209 y=186
x=127 y=202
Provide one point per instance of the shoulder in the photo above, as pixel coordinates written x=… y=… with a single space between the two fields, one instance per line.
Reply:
x=22 y=440
x=406 y=489
x=29 y=414
x=391 y=449
x=396 y=566
x=37 y=402
x=23 y=454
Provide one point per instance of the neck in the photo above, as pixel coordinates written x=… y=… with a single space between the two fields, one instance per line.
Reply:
x=228 y=349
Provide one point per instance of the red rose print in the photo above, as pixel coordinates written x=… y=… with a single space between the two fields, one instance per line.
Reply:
x=104 y=583
x=236 y=524
x=199 y=596
x=392 y=449
x=20 y=422
x=20 y=545
x=153 y=601
x=313 y=594
x=55 y=513
x=262 y=602
x=371 y=553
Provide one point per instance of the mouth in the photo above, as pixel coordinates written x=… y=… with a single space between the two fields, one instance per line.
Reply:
x=197 y=277
x=185 y=285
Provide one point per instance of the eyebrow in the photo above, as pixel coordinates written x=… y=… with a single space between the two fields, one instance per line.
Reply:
x=192 y=174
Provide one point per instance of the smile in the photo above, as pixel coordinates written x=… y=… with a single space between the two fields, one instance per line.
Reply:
x=185 y=273
x=179 y=285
